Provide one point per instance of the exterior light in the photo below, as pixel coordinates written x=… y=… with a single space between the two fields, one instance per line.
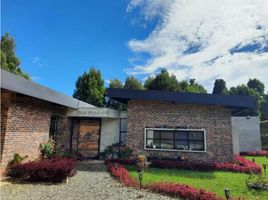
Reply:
x=227 y=193
x=140 y=178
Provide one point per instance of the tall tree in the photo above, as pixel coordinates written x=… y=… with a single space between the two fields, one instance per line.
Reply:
x=90 y=87
x=195 y=87
x=133 y=83
x=9 y=60
x=245 y=90
x=256 y=85
x=220 y=87
x=162 y=81
x=116 y=84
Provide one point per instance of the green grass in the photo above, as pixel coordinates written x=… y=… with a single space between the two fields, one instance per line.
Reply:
x=214 y=181
x=260 y=160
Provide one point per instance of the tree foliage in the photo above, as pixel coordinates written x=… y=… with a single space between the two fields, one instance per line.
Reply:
x=165 y=81
x=9 y=60
x=90 y=87
x=256 y=85
x=133 y=83
x=220 y=87
x=116 y=84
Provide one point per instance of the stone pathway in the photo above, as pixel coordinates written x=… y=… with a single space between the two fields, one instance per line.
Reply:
x=85 y=185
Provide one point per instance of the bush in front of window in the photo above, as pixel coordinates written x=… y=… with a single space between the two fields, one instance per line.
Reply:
x=47 y=149
x=48 y=170
x=240 y=165
x=117 y=151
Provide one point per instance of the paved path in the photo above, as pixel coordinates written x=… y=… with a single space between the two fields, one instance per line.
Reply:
x=85 y=185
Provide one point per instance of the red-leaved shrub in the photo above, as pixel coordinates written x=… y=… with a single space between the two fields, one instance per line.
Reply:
x=183 y=191
x=120 y=172
x=240 y=164
x=255 y=153
x=54 y=169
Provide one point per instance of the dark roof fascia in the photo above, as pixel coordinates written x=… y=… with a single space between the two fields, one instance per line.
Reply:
x=232 y=101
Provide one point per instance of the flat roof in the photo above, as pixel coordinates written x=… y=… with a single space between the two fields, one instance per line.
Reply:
x=27 y=87
x=236 y=101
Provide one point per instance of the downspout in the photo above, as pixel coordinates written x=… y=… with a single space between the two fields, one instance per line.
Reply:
x=71 y=137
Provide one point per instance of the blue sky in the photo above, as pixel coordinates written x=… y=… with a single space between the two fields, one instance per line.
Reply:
x=58 y=39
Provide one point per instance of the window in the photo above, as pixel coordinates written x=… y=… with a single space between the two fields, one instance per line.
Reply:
x=53 y=126
x=175 y=139
x=123 y=130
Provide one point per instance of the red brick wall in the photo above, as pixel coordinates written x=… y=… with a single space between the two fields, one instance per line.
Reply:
x=216 y=120
x=25 y=124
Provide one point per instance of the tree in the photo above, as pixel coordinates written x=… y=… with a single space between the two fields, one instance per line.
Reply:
x=220 y=87
x=245 y=90
x=133 y=83
x=256 y=85
x=116 y=84
x=162 y=81
x=90 y=87
x=195 y=87
x=9 y=60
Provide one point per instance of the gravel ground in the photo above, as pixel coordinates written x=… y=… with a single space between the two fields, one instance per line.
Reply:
x=85 y=185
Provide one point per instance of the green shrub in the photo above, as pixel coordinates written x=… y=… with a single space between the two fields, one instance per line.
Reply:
x=17 y=159
x=47 y=149
x=116 y=150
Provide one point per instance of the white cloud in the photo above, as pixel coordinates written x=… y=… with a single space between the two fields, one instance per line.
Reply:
x=36 y=61
x=195 y=39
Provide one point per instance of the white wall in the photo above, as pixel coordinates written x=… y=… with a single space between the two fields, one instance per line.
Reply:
x=246 y=134
x=109 y=132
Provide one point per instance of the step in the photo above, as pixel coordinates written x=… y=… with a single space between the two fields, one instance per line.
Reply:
x=91 y=165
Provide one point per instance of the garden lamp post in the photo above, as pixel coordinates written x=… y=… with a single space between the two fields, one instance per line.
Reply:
x=227 y=193
x=140 y=178
x=264 y=167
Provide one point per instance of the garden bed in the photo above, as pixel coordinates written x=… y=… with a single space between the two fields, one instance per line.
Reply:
x=240 y=164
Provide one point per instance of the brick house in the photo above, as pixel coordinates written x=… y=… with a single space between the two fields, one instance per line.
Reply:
x=31 y=113
x=170 y=124
x=167 y=124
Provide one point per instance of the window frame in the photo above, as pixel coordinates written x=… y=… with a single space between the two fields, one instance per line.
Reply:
x=174 y=129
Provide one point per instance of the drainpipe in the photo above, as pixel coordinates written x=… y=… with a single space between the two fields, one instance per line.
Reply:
x=71 y=136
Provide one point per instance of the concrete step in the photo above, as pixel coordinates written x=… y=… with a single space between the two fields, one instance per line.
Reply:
x=91 y=165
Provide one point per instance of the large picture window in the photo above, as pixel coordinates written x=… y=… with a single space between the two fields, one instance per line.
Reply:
x=175 y=139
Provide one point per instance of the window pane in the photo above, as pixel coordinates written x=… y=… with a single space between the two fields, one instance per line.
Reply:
x=167 y=135
x=196 y=135
x=166 y=144
x=151 y=143
x=150 y=134
x=181 y=135
x=197 y=145
x=157 y=134
x=181 y=145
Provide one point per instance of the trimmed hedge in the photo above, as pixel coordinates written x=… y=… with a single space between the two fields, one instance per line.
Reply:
x=52 y=170
x=255 y=153
x=121 y=173
x=240 y=165
x=184 y=191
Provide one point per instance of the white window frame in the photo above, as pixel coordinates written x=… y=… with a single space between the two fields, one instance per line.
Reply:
x=175 y=129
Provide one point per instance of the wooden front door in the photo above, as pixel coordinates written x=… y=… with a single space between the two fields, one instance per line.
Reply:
x=89 y=137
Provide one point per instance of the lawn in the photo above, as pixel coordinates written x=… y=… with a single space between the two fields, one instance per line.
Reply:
x=214 y=181
x=260 y=160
